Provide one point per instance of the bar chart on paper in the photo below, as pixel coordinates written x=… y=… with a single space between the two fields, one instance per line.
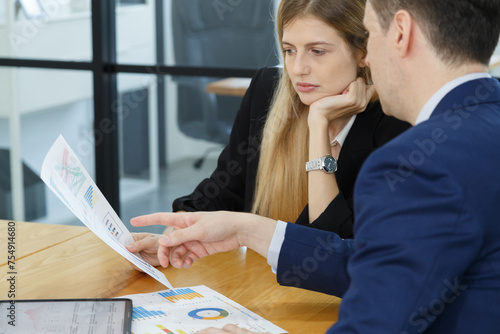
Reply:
x=188 y=310
x=180 y=294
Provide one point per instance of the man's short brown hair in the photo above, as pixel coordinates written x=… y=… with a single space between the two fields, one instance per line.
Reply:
x=459 y=30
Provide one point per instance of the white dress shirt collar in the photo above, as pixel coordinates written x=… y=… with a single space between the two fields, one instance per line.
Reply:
x=340 y=138
x=433 y=102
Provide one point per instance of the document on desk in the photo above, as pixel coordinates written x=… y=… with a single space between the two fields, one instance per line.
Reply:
x=65 y=175
x=188 y=310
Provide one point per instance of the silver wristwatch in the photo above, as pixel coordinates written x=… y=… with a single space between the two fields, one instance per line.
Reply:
x=327 y=164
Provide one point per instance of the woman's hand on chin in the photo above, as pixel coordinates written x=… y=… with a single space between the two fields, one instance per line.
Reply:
x=352 y=101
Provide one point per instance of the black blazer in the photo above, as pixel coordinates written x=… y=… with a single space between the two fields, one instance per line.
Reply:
x=231 y=186
x=371 y=129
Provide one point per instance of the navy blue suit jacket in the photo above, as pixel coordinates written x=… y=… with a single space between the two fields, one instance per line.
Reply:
x=426 y=252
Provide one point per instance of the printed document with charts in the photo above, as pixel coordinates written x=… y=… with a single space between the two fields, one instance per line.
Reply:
x=189 y=310
x=65 y=175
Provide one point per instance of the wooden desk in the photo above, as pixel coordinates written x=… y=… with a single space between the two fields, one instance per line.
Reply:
x=229 y=86
x=55 y=261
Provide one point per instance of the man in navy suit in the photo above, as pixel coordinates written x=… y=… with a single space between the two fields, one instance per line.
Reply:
x=426 y=253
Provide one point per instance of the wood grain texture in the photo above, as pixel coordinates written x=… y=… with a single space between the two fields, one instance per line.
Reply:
x=36 y=237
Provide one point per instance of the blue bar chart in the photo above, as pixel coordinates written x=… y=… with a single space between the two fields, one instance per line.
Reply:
x=180 y=294
x=140 y=312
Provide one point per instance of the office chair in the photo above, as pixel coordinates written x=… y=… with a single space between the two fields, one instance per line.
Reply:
x=239 y=34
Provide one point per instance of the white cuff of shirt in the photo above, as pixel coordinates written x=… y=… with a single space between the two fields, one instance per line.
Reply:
x=275 y=247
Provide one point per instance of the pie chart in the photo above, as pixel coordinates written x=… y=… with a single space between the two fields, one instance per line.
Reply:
x=208 y=313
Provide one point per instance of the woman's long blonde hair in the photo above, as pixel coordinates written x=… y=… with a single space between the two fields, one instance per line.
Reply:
x=281 y=185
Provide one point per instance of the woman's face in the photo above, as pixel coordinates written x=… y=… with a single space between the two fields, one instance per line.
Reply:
x=318 y=61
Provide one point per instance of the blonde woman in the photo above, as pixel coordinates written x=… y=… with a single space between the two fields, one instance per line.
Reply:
x=322 y=86
x=323 y=113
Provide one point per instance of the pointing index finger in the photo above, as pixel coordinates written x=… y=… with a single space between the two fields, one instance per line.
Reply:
x=160 y=218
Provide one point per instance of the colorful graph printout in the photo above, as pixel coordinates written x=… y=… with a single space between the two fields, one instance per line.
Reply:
x=65 y=175
x=188 y=310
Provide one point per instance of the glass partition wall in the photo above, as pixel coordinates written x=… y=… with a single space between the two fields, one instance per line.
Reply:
x=176 y=48
x=125 y=82
x=46 y=90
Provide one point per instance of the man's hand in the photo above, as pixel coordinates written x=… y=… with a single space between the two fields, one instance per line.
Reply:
x=146 y=244
x=200 y=234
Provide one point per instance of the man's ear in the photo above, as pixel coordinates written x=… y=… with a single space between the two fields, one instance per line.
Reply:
x=362 y=61
x=403 y=32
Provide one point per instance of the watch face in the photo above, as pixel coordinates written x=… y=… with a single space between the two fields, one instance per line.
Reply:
x=330 y=164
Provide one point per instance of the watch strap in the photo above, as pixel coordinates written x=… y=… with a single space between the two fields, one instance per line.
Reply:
x=313 y=165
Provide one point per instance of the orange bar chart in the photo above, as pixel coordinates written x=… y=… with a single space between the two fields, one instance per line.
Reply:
x=180 y=294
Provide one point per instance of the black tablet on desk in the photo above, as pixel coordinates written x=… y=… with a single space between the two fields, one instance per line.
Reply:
x=65 y=316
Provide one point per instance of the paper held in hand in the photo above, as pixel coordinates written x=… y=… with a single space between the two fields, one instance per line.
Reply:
x=65 y=175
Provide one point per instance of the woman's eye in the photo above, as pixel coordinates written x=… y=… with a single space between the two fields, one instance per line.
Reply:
x=318 y=52
x=288 y=51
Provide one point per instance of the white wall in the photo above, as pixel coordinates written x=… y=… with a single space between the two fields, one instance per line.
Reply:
x=50 y=102
x=497 y=51
x=496 y=58
x=38 y=132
